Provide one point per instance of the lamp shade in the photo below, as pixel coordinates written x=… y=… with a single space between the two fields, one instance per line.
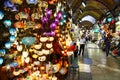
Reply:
x=19 y=47
x=8 y=45
x=8 y=3
x=1 y=60
x=28 y=40
x=32 y=1
x=12 y=31
x=1 y=15
x=2 y=52
x=12 y=38
x=48 y=12
x=7 y=23
x=14 y=64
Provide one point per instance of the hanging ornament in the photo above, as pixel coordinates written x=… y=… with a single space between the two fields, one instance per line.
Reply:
x=63 y=70
x=19 y=25
x=48 y=12
x=52 y=33
x=57 y=21
x=14 y=64
x=8 y=45
x=35 y=56
x=59 y=15
x=49 y=45
x=25 y=54
x=1 y=60
x=53 y=26
x=7 y=23
x=28 y=40
x=32 y=1
x=12 y=31
x=51 y=38
x=8 y=4
x=2 y=52
x=38 y=46
x=27 y=60
x=44 y=20
x=64 y=15
x=17 y=1
x=12 y=38
x=1 y=15
x=42 y=58
x=19 y=47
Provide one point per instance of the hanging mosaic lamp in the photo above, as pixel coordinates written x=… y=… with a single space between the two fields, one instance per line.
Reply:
x=44 y=19
x=14 y=64
x=52 y=33
x=8 y=3
x=19 y=47
x=32 y=1
x=12 y=38
x=48 y=12
x=1 y=15
x=17 y=1
x=8 y=45
x=28 y=40
x=64 y=15
x=53 y=26
x=59 y=15
x=2 y=52
x=12 y=31
x=1 y=60
x=63 y=71
x=57 y=21
x=7 y=23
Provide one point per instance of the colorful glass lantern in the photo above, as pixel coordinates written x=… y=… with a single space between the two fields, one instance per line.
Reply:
x=2 y=52
x=12 y=38
x=7 y=23
x=1 y=60
x=19 y=47
x=14 y=64
x=8 y=45
x=48 y=12
x=52 y=33
x=59 y=15
x=53 y=26
x=32 y=1
x=56 y=20
x=17 y=1
x=63 y=71
x=1 y=15
x=28 y=40
x=8 y=3
x=12 y=31
x=44 y=19
x=64 y=15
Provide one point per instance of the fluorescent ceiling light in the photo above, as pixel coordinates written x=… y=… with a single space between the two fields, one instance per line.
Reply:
x=89 y=18
x=83 y=3
x=80 y=11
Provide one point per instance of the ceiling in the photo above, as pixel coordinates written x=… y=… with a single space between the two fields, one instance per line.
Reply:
x=95 y=8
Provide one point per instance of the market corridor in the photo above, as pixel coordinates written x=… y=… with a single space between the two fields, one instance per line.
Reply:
x=96 y=66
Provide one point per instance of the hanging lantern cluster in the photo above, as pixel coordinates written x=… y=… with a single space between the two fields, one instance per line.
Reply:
x=32 y=33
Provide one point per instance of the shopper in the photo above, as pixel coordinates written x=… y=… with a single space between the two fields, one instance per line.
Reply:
x=76 y=51
x=74 y=48
x=82 y=45
x=107 y=44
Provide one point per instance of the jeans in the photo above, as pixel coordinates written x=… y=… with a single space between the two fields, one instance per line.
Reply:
x=107 y=49
x=82 y=46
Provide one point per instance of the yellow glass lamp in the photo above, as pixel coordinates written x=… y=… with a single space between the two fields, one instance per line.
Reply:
x=17 y=1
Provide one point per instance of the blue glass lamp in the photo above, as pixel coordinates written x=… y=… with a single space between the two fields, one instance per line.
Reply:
x=28 y=40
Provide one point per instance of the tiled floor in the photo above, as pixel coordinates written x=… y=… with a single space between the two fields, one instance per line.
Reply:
x=96 y=66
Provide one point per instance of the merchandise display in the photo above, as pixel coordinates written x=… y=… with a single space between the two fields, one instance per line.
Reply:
x=36 y=47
